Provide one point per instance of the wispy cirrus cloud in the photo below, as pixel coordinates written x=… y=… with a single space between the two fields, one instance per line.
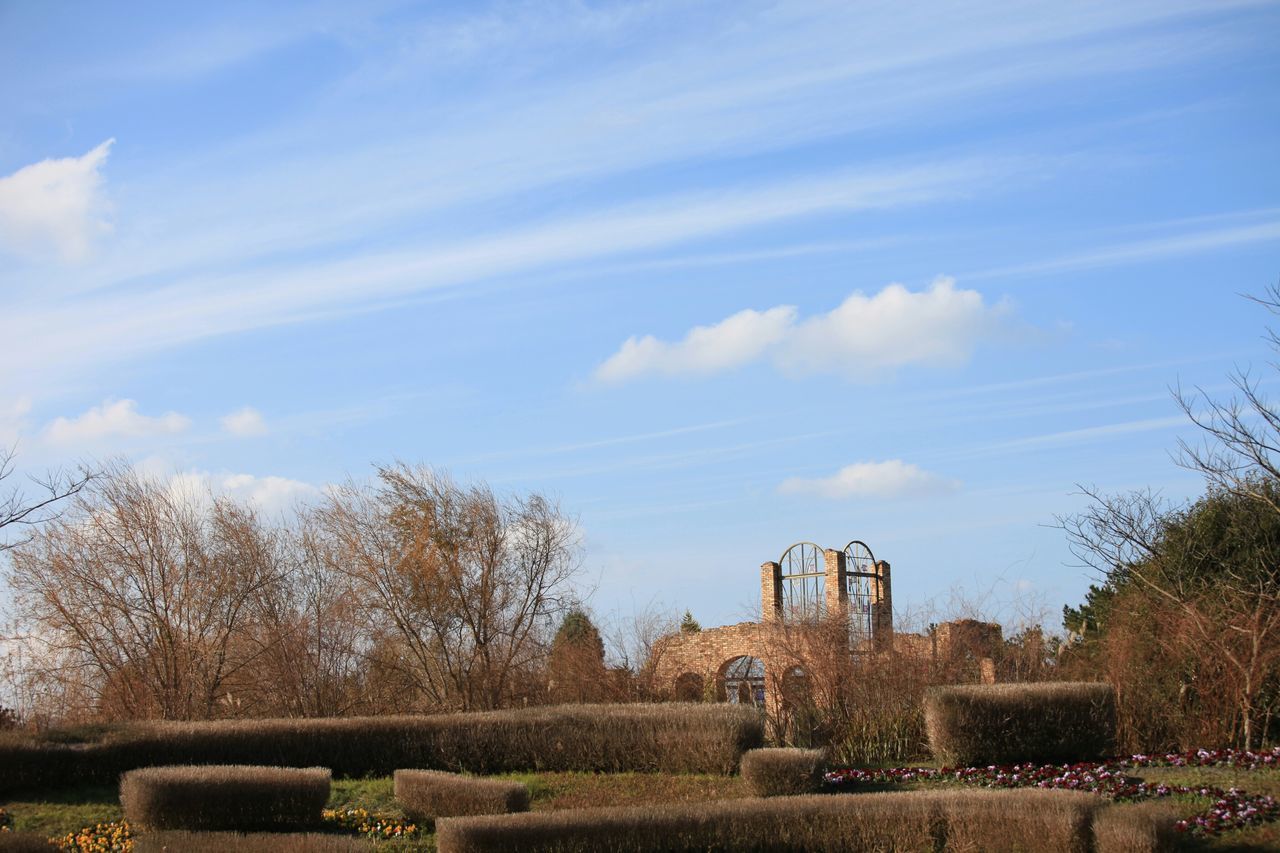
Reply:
x=891 y=478
x=94 y=328
x=55 y=206
x=863 y=338
x=1138 y=251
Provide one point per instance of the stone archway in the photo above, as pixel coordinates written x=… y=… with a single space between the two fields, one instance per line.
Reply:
x=740 y=681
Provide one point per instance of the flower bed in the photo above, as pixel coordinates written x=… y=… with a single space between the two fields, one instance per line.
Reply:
x=368 y=824
x=1231 y=809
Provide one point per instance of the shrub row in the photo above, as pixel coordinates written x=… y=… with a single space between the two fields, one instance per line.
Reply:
x=428 y=794
x=1046 y=723
x=251 y=842
x=228 y=797
x=25 y=842
x=782 y=772
x=1026 y=820
x=674 y=738
x=1135 y=828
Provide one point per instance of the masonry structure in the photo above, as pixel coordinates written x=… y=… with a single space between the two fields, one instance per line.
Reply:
x=815 y=603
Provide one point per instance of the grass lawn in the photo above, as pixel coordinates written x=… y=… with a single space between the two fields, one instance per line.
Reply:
x=69 y=810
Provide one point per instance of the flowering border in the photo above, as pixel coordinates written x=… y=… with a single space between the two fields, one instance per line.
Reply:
x=1231 y=809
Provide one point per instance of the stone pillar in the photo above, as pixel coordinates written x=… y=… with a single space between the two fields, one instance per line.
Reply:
x=770 y=592
x=882 y=608
x=834 y=584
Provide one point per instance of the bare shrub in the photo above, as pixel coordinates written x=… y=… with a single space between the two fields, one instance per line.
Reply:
x=782 y=772
x=1128 y=828
x=224 y=797
x=1025 y=820
x=1009 y=723
x=435 y=793
x=247 y=842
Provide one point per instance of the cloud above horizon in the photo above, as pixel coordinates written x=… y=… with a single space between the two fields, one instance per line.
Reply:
x=55 y=206
x=113 y=419
x=891 y=478
x=269 y=494
x=863 y=339
x=245 y=422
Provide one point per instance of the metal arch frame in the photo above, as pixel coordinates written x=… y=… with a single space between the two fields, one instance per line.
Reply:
x=818 y=549
x=858 y=588
x=849 y=556
x=809 y=582
x=737 y=671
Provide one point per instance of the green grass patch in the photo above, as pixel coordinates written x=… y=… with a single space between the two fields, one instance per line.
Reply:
x=67 y=810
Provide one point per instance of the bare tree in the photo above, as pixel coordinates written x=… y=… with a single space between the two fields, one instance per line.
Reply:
x=1240 y=446
x=18 y=510
x=466 y=585
x=136 y=598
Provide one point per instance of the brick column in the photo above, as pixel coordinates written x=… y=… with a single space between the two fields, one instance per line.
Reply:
x=882 y=608
x=770 y=592
x=835 y=586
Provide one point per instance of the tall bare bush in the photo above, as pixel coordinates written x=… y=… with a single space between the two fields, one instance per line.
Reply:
x=464 y=583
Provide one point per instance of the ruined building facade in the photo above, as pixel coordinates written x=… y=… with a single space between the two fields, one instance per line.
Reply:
x=815 y=603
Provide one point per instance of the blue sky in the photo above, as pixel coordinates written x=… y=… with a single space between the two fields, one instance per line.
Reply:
x=720 y=277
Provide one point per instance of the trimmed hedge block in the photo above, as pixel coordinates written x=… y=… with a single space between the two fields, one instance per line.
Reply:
x=1143 y=828
x=224 y=797
x=427 y=794
x=783 y=772
x=1023 y=820
x=1050 y=722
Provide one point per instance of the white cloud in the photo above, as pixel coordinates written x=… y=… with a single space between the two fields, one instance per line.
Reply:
x=732 y=342
x=892 y=478
x=55 y=205
x=269 y=494
x=13 y=417
x=245 y=422
x=114 y=419
x=863 y=338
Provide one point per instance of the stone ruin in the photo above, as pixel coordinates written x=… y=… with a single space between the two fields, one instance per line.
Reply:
x=753 y=662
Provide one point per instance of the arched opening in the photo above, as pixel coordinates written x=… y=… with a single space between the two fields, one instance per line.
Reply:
x=741 y=681
x=689 y=687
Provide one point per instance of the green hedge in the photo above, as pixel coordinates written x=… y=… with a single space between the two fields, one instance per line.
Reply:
x=673 y=738
x=1049 y=722
x=1027 y=820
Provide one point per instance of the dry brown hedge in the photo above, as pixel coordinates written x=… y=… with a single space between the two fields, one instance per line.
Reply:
x=25 y=842
x=782 y=772
x=225 y=797
x=1048 y=722
x=1025 y=820
x=670 y=738
x=427 y=794
x=251 y=842
x=1142 y=828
